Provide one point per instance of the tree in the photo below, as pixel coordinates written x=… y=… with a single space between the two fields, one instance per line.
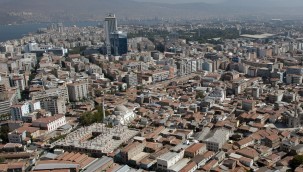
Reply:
x=200 y=95
x=2 y=160
x=4 y=134
x=89 y=118
x=296 y=161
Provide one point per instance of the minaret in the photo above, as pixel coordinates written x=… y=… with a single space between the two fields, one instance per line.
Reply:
x=296 y=106
x=103 y=110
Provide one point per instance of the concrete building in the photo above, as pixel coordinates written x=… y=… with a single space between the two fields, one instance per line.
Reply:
x=16 y=137
x=110 y=26
x=6 y=101
x=207 y=66
x=23 y=109
x=4 y=84
x=195 y=149
x=19 y=110
x=56 y=105
x=179 y=165
x=294 y=79
x=57 y=166
x=256 y=92
x=132 y=150
x=217 y=139
x=167 y=160
x=294 y=118
x=77 y=91
x=184 y=67
x=248 y=105
x=18 y=81
x=50 y=123
x=158 y=76
x=276 y=96
x=294 y=70
x=60 y=91
x=131 y=79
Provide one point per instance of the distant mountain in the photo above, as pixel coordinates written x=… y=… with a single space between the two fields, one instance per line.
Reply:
x=63 y=10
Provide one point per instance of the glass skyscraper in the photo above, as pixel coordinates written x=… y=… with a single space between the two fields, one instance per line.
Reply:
x=118 y=42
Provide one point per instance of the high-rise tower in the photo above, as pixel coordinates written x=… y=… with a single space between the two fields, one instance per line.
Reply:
x=110 y=25
x=118 y=42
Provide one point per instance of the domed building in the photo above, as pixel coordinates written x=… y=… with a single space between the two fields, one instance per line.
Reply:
x=121 y=115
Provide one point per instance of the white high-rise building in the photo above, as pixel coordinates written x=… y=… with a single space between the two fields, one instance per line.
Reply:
x=110 y=25
x=22 y=109
x=77 y=91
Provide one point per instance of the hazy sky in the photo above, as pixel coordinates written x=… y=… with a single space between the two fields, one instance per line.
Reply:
x=182 y=1
x=248 y=2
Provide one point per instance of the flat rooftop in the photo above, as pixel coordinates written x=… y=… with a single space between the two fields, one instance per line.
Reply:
x=179 y=165
x=106 y=140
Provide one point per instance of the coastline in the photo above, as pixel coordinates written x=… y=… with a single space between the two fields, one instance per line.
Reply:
x=17 y=31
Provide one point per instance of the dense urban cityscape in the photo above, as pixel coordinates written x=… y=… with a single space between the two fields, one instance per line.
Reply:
x=207 y=95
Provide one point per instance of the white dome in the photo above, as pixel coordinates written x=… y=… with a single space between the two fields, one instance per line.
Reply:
x=121 y=108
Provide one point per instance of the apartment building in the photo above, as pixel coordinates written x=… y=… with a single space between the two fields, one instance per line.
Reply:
x=77 y=91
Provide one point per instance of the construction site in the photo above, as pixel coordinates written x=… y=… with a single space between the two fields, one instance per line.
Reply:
x=96 y=139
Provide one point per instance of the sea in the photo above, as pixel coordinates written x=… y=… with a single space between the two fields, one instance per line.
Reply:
x=16 y=31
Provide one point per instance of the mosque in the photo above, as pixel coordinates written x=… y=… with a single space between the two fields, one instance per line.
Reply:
x=121 y=116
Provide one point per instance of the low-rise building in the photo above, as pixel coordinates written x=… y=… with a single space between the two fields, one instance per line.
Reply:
x=132 y=150
x=50 y=123
x=195 y=149
x=167 y=160
x=217 y=139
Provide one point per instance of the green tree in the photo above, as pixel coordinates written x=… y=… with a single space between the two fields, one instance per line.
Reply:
x=89 y=118
x=4 y=134
x=296 y=161
x=200 y=95
x=2 y=160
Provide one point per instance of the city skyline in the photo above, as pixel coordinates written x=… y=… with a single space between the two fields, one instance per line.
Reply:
x=165 y=86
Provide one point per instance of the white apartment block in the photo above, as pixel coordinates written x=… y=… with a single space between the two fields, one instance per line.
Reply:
x=60 y=91
x=77 y=91
x=22 y=109
x=167 y=160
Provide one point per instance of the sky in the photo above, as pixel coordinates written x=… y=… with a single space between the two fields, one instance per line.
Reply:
x=259 y=2
x=182 y=1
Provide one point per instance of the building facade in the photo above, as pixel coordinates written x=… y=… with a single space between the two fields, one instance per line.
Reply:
x=77 y=91
x=56 y=105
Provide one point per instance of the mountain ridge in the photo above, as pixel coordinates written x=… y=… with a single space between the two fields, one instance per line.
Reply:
x=62 y=10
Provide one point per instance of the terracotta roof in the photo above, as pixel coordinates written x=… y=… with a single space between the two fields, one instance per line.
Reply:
x=273 y=137
x=188 y=167
x=48 y=119
x=194 y=147
x=245 y=141
x=248 y=152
